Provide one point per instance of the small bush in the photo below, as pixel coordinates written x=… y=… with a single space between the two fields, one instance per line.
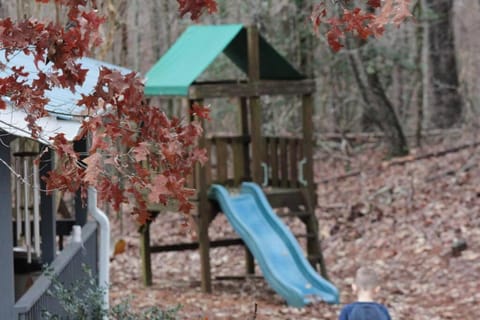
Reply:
x=83 y=300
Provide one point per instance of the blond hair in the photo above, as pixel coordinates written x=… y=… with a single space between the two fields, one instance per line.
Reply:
x=366 y=279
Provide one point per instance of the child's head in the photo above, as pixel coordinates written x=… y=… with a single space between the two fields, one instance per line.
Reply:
x=366 y=281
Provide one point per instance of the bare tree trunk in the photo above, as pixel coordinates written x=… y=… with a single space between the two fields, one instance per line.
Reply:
x=306 y=44
x=19 y=9
x=422 y=73
x=379 y=109
x=108 y=46
x=156 y=22
x=2 y=10
x=124 y=33
x=447 y=103
x=136 y=36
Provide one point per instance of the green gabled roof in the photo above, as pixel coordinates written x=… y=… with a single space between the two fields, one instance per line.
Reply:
x=199 y=46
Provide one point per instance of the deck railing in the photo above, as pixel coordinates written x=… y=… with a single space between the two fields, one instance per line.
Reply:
x=67 y=268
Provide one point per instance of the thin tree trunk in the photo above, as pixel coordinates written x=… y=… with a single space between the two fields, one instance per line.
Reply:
x=136 y=37
x=447 y=103
x=124 y=33
x=306 y=46
x=379 y=109
x=57 y=13
x=422 y=73
x=167 y=42
x=2 y=10
x=19 y=7
x=156 y=22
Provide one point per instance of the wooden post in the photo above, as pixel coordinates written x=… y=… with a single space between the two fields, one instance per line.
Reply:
x=313 y=243
x=80 y=208
x=47 y=211
x=7 y=284
x=255 y=121
x=255 y=106
x=204 y=209
x=245 y=134
x=204 y=214
x=145 y=254
x=307 y=119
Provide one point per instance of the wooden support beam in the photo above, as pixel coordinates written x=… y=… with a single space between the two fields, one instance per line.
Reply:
x=246 y=136
x=253 y=52
x=239 y=278
x=311 y=222
x=204 y=216
x=255 y=106
x=204 y=245
x=307 y=121
x=145 y=254
x=253 y=41
x=195 y=245
x=244 y=116
x=254 y=88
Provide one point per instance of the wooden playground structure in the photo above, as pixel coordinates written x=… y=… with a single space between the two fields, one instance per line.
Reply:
x=282 y=165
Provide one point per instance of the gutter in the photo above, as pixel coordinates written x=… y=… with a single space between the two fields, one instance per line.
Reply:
x=104 y=245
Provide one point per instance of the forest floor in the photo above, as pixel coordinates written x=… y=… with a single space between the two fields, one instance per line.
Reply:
x=402 y=218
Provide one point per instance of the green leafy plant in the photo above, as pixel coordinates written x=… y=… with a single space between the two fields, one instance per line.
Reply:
x=83 y=300
x=124 y=311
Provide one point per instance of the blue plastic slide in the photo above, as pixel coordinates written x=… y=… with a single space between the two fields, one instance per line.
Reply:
x=276 y=250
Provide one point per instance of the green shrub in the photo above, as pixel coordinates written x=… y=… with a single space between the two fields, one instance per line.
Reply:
x=83 y=300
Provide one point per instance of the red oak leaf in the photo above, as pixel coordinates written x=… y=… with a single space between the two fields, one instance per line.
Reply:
x=141 y=151
x=203 y=112
x=94 y=168
x=196 y=7
x=374 y=3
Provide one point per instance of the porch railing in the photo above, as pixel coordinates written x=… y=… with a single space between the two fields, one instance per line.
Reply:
x=67 y=268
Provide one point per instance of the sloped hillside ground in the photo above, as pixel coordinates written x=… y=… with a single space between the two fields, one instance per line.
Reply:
x=417 y=223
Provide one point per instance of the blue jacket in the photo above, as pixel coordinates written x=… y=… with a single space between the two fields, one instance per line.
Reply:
x=364 y=311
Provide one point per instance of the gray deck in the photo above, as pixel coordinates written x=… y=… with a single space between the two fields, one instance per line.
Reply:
x=68 y=267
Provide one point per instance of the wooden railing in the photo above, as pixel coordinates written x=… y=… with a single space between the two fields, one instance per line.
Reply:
x=230 y=161
x=283 y=161
x=67 y=268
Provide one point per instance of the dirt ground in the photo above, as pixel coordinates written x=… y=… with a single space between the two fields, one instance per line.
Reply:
x=402 y=219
